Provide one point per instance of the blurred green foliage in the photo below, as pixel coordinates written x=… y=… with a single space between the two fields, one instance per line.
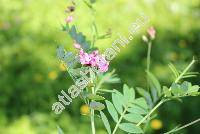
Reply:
x=31 y=77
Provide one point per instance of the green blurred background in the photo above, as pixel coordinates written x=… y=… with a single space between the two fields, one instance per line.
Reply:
x=31 y=76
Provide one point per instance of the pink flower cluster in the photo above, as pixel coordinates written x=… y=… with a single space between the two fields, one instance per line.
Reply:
x=94 y=59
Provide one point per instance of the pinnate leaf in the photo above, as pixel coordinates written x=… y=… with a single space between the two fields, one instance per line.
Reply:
x=154 y=83
x=112 y=110
x=105 y=122
x=60 y=131
x=129 y=94
x=130 y=128
x=133 y=117
x=97 y=105
x=116 y=97
x=141 y=102
x=146 y=95
x=137 y=110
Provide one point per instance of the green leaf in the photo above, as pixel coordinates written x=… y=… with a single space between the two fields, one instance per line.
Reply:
x=97 y=105
x=79 y=38
x=166 y=91
x=60 y=130
x=194 y=93
x=141 y=102
x=146 y=95
x=106 y=78
x=129 y=94
x=154 y=83
x=95 y=97
x=65 y=27
x=184 y=89
x=176 y=90
x=105 y=122
x=185 y=86
x=132 y=93
x=190 y=74
x=193 y=90
x=133 y=117
x=130 y=128
x=60 y=52
x=112 y=111
x=116 y=99
x=110 y=77
x=174 y=70
x=113 y=80
x=188 y=87
x=126 y=92
x=69 y=58
x=154 y=94
x=137 y=110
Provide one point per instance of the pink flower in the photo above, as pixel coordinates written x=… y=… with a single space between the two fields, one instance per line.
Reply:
x=102 y=64
x=77 y=46
x=93 y=59
x=95 y=53
x=84 y=58
x=152 y=32
x=69 y=19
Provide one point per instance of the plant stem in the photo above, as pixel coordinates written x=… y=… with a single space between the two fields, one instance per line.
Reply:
x=185 y=70
x=177 y=129
x=148 y=61
x=92 y=110
x=143 y=119
x=92 y=117
x=149 y=56
x=119 y=121
x=176 y=81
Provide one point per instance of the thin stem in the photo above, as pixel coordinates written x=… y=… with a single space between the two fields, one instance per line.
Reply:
x=177 y=129
x=98 y=86
x=92 y=117
x=149 y=56
x=185 y=70
x=92 y=110
x=148 y=115
x=148 y=61
x=119 y=121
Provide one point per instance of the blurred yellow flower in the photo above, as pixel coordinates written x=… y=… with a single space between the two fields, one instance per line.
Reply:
x=62 y=67
x=85 y=110
x=52 y=75
x=156 y=124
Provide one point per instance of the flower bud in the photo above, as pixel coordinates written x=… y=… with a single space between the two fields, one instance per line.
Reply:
x=152 y=32
x=144 y=38
x=69 y=19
